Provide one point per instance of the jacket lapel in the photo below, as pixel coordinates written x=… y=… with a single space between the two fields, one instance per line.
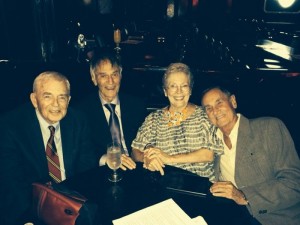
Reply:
x=66 y=131
x=244 y=143
x=36 y=151
x=99 y=120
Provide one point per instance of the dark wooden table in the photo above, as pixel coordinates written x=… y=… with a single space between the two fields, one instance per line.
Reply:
x=141 y=188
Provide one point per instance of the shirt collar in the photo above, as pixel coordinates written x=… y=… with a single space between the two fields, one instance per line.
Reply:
x=44 y=124
x=115 y=101
x=234 y=131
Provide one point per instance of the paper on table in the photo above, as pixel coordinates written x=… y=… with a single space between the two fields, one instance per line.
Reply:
x=199 y=221
x=163 y=213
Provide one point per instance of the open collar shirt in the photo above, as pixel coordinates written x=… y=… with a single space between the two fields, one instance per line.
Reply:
x=227 y=160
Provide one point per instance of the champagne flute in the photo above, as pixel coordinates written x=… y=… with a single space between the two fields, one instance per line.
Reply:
x=114 y=161
x=117 y=38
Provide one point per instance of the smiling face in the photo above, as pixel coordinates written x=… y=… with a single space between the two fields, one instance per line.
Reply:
x=220 y=109
x=108 y=79
x=177 y=90
x=51 y=98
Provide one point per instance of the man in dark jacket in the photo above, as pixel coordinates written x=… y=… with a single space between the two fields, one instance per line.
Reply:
x=106 y=73
x=23 y=142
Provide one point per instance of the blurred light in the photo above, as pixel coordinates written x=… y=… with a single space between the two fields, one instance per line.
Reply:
x=272 y=66
x=282 y=6
x=170 y=9
x=87 y=2
x=286 y=3
x=275 y=48
x=270 y=69
x=271 y=61
x=292 y=74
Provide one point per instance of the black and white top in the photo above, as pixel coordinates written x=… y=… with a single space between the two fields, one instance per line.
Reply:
x=192 y=134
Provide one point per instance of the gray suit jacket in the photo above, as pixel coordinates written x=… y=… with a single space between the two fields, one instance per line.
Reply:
x=267 y=170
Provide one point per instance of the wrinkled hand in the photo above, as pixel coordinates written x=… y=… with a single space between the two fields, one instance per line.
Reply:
x=157 y=153
x=227 y=190
x=153 y=160
x=127 y=163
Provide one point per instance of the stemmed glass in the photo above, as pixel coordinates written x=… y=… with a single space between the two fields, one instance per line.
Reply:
x=114 y=161
x=117 y=39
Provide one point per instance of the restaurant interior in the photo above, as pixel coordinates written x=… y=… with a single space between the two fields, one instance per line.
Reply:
x=252 y=45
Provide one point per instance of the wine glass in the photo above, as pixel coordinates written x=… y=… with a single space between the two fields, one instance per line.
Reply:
x=114 y=161
x=117 y=38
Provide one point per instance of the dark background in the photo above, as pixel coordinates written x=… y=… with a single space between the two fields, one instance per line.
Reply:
x=217 y=38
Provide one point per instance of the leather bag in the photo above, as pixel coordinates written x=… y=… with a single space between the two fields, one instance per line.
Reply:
x=54 y=204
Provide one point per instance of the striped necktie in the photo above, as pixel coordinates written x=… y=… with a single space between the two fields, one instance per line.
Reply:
x=52 y=157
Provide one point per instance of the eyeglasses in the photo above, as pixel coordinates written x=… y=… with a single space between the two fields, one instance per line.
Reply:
x=174 y=87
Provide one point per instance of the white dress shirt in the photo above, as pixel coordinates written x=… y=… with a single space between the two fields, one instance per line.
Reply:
x=107 y=115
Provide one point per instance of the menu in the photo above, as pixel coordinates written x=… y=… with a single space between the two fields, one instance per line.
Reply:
x=164 y=213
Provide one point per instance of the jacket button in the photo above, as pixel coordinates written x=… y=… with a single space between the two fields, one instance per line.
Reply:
x=263 y=211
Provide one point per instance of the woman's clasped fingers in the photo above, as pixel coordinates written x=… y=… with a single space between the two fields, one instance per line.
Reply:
x=155 y=165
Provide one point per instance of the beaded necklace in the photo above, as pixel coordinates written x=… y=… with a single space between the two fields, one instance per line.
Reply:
x=175 y=118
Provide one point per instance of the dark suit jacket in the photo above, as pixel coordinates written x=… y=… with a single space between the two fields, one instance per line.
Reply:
x=23 y=159
x=133 y=113
x=267 y=170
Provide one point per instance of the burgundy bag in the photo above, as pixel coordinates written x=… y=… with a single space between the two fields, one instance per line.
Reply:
x=57 y=205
